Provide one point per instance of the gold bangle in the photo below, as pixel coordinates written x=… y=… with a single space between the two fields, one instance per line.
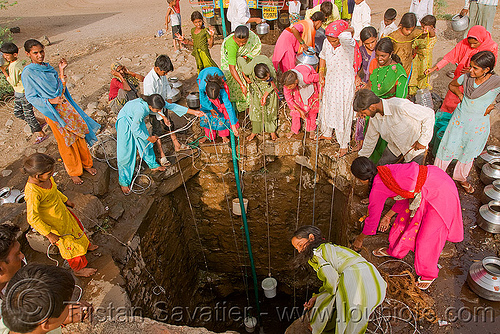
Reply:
x=322 y=69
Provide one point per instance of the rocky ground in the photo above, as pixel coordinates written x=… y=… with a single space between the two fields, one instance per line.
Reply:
x=92 y=35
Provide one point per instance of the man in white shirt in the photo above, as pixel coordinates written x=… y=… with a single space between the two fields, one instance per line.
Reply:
x=156 y=82
x=481 y=12
x=388 y=24
x=361 y=17
x=421 y=8
x=407 y=127
x=238 y=14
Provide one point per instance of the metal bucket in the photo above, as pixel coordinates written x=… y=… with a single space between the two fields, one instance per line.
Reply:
x=484 y=278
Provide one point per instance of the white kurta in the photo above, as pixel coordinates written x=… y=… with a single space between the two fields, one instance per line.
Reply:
x=421 y=8
x=361 y=17
x=336 y=107
x=238 y=13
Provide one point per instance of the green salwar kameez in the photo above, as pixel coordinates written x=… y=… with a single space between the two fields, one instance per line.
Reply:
x=263 y=117
x=200 y=49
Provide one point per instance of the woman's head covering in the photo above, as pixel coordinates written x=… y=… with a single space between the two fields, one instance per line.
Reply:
x=483 y=36
x=130 y=79
x=115 y=65
x=335 y=28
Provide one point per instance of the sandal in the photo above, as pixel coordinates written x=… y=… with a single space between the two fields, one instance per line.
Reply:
x=164 y=162
x=380 y=252
x=426 y=284
x=40 y=139
x=183 y=147
x=468 y=188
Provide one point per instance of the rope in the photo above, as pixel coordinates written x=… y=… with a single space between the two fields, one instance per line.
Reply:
x=315 y=176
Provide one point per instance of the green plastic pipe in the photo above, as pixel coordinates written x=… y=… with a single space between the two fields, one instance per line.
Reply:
x=245 y=224
x=223 y=16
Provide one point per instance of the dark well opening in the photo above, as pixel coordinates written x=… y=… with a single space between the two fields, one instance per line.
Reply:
x=185 y=280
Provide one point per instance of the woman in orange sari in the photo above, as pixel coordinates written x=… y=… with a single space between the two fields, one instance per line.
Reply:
x=295 y=40
x=72 y=128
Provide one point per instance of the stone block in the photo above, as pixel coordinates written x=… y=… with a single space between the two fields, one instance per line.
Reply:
x=39 y=243
x=116 y=210
x=88 y=208
x=14 y=213
x=288 y=147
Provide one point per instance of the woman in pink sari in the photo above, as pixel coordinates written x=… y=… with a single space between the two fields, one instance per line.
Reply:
x=296 y=39
x=427 y=207
x=478 y=39
x=301 y=90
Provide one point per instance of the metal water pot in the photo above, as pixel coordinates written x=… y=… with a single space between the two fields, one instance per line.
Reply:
x=193 y=100
x=175 y=83
x=489 y=217
x=459 y=23
x=8 y=195
x=175 y=95
x=491 y=192
x=484 y=278
x=262 y=28
x=492 y=152
x=308 y=58
x=490 y=171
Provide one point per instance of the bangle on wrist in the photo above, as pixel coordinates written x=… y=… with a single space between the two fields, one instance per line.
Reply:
x=322 y=69
x=302 y=42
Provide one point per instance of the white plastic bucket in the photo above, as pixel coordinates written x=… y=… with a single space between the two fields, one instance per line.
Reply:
x=250 y=323
x=269 y=285
x=237 y=207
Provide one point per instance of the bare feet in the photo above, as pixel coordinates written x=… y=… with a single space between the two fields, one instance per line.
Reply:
x=92 y=247
x=202 y=140
x=273 y=136
x=251 y=137
x=76 y=180
x=289 y=135
x=125 y=190
x=225 y=140
x=85 y=272
x=159 y=169
x=342 y=152
x=91 y=170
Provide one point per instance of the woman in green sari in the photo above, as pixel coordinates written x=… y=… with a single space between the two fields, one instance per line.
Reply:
x=242 y=43
x=387 y=79
x=352 y=286
x=260 y=75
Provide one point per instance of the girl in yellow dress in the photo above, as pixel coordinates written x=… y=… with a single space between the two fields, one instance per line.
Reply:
x=48 y=213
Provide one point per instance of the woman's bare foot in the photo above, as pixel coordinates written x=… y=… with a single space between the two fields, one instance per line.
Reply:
x=91 y=170
x=342 y=152
x=92 y=247
x=202 y=140
x=273 y=136
x=251 y=137
x=85 y=272
x=159 y=169
x=289 y=135
x=125 y=190
x=76 y=180
x=225 y=140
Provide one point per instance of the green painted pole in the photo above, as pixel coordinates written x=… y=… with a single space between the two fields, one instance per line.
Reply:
x=223 y=16
x=245 y=224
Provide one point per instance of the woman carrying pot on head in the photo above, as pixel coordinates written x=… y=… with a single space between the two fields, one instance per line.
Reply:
x=295 y=40
x=263 y=112
x=123 y=87
x=132 y=135
x=242 y=43
x=469 y=127
x=478 y=39
x=427 y=207
x=352 y=286
x=218 y=112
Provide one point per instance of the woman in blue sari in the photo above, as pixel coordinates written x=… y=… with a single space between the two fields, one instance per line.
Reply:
x=219 y=114
x=132 y=135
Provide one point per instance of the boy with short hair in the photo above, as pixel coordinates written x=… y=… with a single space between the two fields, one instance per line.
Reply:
x=156 y=82
x=41 y=288
x=22 y=108
x=388 y=25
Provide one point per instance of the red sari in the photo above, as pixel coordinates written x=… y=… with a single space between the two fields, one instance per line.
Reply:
x=461 y=55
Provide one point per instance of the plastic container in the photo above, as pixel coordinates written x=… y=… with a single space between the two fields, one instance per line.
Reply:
x=237 y=207
x=424 y=98
x=269 y=285
x=250 y=324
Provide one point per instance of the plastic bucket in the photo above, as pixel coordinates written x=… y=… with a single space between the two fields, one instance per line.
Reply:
x=269 y=285
x=250 y=323
x=237 y=207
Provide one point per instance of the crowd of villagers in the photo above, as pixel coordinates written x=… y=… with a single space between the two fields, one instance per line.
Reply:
x=359 y=95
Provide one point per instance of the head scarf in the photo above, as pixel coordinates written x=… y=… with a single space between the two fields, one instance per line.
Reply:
x=130 y=79
x=334 y=29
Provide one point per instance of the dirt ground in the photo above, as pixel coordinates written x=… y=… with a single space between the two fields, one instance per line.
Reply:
x=92 y=35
